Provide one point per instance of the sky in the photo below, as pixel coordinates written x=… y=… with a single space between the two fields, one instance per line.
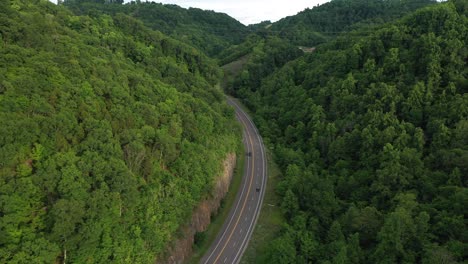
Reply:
x=250 y=11
x=247 y=11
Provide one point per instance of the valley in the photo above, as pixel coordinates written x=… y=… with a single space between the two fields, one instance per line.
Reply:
x=121 y=124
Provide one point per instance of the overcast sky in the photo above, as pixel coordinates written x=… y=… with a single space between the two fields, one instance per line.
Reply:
x=247 y=11
x=250 y=11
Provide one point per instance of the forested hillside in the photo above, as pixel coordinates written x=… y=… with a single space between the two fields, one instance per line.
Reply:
x=264 y=56
x=208 y=31
x=110 y=134
x=321 y=23
x=371 y=133
x=272 y=47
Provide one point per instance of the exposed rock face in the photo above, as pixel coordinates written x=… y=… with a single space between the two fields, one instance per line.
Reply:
x=181 y=249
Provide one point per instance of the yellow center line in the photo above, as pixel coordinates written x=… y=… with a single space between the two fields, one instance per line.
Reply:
x=248 y=192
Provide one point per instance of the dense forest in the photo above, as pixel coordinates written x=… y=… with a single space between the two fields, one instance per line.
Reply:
x=113 y=127
x=321 y=23
x=270 y=46
x=110 y=134
x=208 y=31
x=371 y=133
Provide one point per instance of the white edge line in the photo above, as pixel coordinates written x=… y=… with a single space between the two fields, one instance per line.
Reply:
x=246 y=239
x=230 y=220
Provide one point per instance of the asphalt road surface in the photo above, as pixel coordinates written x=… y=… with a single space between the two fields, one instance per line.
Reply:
x=234 y=237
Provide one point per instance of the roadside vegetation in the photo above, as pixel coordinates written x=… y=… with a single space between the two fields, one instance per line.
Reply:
x=370 y=134
x=218 y=220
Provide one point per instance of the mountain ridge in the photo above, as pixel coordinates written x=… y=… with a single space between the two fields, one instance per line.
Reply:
x=206 y=30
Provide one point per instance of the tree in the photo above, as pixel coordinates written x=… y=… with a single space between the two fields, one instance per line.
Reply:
x=282 y=250
x=290 y=204
x=355 y=254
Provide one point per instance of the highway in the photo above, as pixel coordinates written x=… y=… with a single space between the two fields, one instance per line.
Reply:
x=233 y=238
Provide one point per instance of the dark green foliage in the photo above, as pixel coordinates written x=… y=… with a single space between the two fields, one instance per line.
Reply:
x=208 y=31
x=321 y=23
x=273 y=45
x=199 y=238
x=266 y=55
x=371 y=134
x=110 y=134
x=238 y=51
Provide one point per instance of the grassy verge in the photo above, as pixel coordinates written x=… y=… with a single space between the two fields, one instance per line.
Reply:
x=217 y=221
x=270 y=220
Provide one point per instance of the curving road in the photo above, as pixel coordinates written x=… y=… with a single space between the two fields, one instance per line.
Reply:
x=234 y=237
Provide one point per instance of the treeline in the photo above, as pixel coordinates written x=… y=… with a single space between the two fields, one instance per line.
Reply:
x=371 y=134
x=327 y=21
x=110 y=134
x=208 y=31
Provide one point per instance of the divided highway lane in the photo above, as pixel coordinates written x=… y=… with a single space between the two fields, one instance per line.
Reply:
x=234 y=237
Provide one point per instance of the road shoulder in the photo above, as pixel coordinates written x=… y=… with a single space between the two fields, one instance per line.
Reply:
x=270 y=220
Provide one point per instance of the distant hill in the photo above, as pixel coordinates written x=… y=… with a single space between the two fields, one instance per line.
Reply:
x=273 y=45
x=317 y=25
x=110 y=134
x=208 y=31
